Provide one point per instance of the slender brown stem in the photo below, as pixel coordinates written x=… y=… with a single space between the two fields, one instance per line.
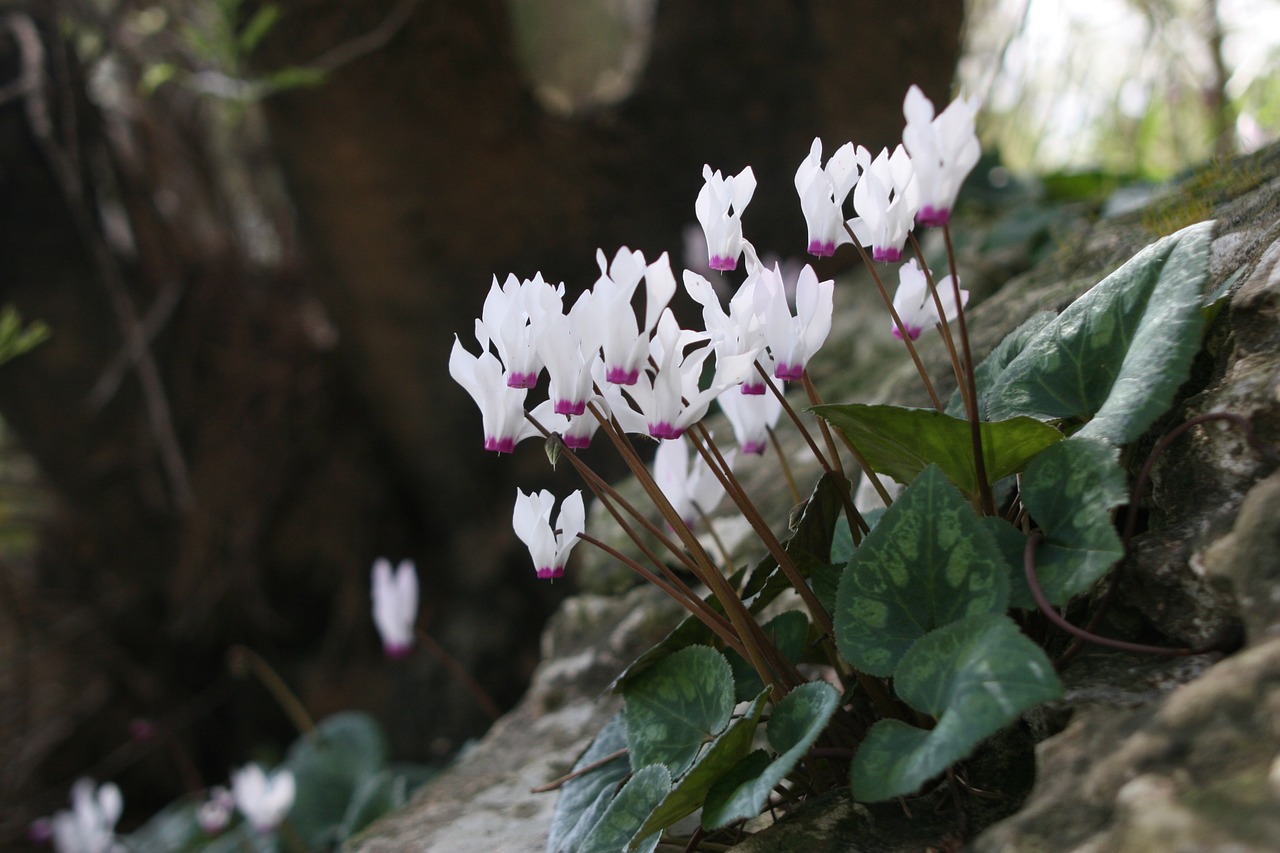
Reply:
x=581 y=771
x=743 y=622
x=975 y=424
x=711 y=454
x=456 y=669
x=243 y=659
x=612 y=501
x=902 y=328
x=943 y=323
x=815 y=399
x=1029 y=568
x=785 y=465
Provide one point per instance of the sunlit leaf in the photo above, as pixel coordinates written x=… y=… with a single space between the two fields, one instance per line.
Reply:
x=900 y=442
x=1116 y=356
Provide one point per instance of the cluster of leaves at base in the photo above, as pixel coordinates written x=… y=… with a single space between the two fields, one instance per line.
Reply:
x=344 y=783
x=923 y=600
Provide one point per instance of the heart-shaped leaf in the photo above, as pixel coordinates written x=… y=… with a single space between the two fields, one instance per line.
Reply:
x=618 y=826
x=928 y=562
x=720 y=756
x=1070 y=491
x=976 y=676
x=584 y=798
x=677 y=705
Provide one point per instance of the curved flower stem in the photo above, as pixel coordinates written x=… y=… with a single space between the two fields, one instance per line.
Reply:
x=1139 y=488
x=711 y=454
x=243 y=660
x=784 y=465
x=815 y=399
x=857 y=524
x=975 y=425
x=458 y=671
x=1029 y=567
x=893 y=312
x=612 y=501
x=721 y=627
x=753 y=639
x=943 y=324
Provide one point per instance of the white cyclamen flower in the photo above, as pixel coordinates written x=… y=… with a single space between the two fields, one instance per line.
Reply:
x=719 y=209
x=943 y=149
x=751 y=416
x=89 y=826
x=690 y=484
x=625 y=344
x=501 y=406
x=511 y=320
x=914 y=304
x=886 y=201
x=531 y=520
x=823 y=191
x=263 y=800
x=395 y=605
x=793 y=340
x=214 y=814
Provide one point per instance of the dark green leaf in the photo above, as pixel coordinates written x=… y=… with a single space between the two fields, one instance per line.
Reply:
x=900 y=442
x=928 y=562
x=328 y=765
x=1116 y=356
x=730 y=747
x=676 y=706
x=1011 y=541
x=794 y=725
x=1070 y=491
x=976 y=676
x=620 y=822
x=789 y=632
x=584 y=798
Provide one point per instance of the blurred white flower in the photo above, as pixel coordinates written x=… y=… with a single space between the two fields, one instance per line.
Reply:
x=263 y=800
x=89 y=825
x=395 y=605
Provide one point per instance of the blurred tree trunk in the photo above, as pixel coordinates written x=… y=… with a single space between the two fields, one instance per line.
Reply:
x=237 y=488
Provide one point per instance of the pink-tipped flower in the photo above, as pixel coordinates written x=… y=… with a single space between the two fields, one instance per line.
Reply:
x=719 y=210
x=751 y=416
x=624 y=343
x=89 y=825
x=943 y=149
x=793 y=340
x=395 y=605
x=823 y=191
x=914 y=304
x=511 y=320
x=570 y=346
x=886 y=201
x=549 y=547
x=576 y=431
x=501 y=406
x=690 y=485
x=736 y=336
x=668 y=400
x=263 y=800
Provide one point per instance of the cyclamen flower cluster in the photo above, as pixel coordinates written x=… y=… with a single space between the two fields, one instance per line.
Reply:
x=916 y=182
x=645 y=374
